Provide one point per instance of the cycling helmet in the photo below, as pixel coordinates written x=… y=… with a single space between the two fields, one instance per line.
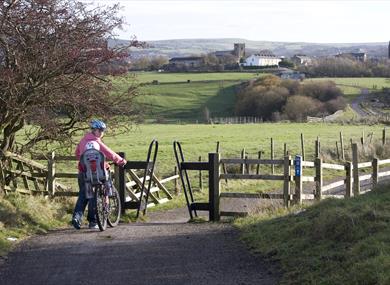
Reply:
x=97 y=124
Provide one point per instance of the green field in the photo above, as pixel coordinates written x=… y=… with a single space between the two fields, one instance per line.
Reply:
x=199 y=139
x=175 y=99
x=144 y=77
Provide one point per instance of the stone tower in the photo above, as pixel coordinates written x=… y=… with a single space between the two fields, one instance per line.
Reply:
x=239 y=50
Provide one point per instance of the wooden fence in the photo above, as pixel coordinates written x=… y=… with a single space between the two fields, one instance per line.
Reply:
x=347 y=184
x=19 y=174
x=23 y=175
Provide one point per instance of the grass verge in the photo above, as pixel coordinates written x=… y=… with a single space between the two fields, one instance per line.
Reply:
x=23 y=216
x=331 y=242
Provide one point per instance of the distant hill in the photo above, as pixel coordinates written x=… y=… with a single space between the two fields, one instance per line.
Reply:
x=187 y=47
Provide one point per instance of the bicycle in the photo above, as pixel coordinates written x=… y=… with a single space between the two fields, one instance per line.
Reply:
x=107 y=204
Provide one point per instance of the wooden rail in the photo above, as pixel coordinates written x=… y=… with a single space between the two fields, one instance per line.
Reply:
x=350 y=182
x=30 y=177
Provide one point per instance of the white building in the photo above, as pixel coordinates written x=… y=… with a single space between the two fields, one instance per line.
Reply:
x=262 y=60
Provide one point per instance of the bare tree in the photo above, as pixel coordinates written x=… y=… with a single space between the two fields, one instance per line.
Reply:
x=52 y=53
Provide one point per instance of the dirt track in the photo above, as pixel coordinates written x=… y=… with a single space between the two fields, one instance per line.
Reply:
x=165 y=250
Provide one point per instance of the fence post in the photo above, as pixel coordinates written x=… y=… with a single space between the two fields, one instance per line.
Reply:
x=200 y=177
x=122 y=183
x=337 y=150
x=243 y=164
x=375 y=170
x=342 y=146
x=258 y=165
x=247 y=165
x=272 y=156
x=349 y=179
x=319 y=181
x=355 y=170
x=298 y=179
x=317 y=148
x=223 y=164
x=303 y=146
x=214 y=186
x=384 y=136
x=286 y=186
x=51 y=173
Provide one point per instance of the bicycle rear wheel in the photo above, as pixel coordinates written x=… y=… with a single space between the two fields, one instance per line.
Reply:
x=115 y=208
x=101 y=207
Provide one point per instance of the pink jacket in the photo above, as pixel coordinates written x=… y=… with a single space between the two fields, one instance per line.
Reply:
x=108 y=153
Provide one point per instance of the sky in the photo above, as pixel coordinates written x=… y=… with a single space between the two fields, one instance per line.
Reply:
x=316 y=21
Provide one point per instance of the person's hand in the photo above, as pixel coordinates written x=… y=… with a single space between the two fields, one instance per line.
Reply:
x=123 y=162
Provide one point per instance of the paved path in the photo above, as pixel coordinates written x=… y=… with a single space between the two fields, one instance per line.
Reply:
x=164 y=251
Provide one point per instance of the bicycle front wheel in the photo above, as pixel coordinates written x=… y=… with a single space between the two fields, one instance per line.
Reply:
x=115 y=208
x=101 y=207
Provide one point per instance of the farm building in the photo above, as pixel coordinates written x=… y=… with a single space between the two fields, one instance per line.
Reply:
x=262 y=59
x=190 y=61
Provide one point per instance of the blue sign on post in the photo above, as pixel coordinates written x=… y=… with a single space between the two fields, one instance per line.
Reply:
x=297 y=163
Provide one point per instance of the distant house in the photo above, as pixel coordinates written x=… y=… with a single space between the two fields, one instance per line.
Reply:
x=359 y=56
x=300 y=59
x=262 y=59
x=190 y=61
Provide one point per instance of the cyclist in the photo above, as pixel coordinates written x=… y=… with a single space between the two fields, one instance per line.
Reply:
x=91 y=139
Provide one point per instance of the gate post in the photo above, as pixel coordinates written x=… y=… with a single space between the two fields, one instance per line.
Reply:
x=319 y=181
x=355 y=170
x=349 y=180
x=214 y=186
x=286 y=183
x=375 y=170
x=121 y=182
x=51 y=173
